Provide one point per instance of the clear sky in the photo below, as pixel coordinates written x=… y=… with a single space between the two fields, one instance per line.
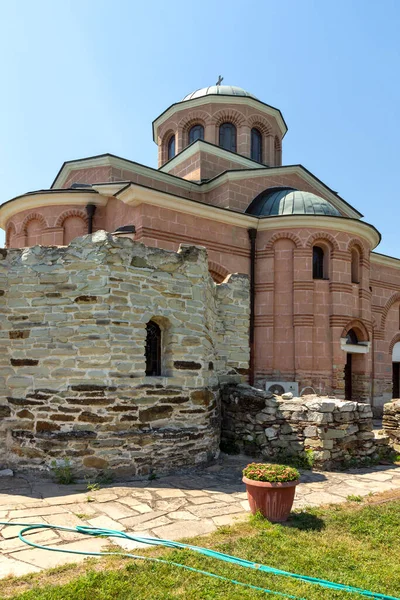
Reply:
x=84 y=77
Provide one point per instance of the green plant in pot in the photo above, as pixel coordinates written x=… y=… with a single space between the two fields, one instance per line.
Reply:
x=271 y=489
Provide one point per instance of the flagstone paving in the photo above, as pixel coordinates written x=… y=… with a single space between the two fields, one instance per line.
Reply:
x=192 y=503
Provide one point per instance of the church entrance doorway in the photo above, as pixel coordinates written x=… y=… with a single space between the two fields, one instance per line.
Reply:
x=356 y=373
x=396 y=380
x=396 y=370
x=348 y=377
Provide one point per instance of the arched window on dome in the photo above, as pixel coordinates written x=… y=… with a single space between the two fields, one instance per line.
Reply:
x=196 y=133
x=319 y=263
x=171 y=147
x=355 y=266
x=153 y=349
x=227 y=136
x=256 y=145
x=278 y=152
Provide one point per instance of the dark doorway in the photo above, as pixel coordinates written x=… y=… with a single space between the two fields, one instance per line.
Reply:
x=396 y=379
x=348 y=391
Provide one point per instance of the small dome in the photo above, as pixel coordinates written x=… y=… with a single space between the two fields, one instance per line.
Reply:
x=223 y=90
x=289 y=201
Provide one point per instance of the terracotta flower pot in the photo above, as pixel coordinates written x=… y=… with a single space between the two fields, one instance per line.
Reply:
x=273 y=500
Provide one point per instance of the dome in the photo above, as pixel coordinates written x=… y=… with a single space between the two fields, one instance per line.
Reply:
x=223 y=90
x=289 y=201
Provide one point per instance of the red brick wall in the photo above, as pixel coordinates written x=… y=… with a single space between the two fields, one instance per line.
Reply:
x=205 y=165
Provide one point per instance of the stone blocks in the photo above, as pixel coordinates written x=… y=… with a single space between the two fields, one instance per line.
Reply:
x=296 y=425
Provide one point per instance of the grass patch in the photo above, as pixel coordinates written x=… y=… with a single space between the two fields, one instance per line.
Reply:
x=354 y=498
x=62 y=471
x=351 y=544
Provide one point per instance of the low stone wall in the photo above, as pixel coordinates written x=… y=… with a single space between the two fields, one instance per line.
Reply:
x=73 y=380
x=391 y=423
x=128 y=430
x=264 y=425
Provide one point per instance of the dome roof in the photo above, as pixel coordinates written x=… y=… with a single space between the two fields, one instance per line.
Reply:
x=223 y=90
x=289 y=201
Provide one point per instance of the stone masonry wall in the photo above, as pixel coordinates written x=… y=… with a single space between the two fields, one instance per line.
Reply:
x=391 y=423
x=72 y=365
x=264 y=425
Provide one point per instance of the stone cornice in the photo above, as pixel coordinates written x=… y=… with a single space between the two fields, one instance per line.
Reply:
x=36 y=200
x=385 y=261
x=109 y=160
x=352 y=226
x=135 y=194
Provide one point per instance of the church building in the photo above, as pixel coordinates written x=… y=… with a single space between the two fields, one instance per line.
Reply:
x=324 y=306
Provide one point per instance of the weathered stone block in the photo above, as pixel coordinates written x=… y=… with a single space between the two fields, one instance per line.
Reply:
x=94 y=462
x=23 y=362
x=154 y=413
x=188 y=365
x=46 y=426
x=18 y=335
x=5 y=411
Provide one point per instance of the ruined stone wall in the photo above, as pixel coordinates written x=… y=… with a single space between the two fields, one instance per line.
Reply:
x=263 y=425
x=72 y=358
x=391 y=423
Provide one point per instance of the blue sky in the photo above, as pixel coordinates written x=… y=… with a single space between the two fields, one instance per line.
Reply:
x=84 y=77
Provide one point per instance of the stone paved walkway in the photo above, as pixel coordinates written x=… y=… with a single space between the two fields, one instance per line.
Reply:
x=171 y=507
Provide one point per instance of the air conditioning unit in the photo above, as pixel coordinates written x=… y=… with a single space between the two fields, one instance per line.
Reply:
x=280 y=387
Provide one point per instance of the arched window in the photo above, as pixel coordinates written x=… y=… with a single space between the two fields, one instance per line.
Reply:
x=196 y=133
x=171 y=147
x=318 y=262
x=278 y=148
x=351 y=337
x=153 y=349
x=256 y=145
x=355 y=266
x=227 y=136
x=33 y=232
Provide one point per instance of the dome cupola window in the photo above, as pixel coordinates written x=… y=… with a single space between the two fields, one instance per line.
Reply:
x=227 y=136
x=256 y=145
x=196 y=133
x=171 y=147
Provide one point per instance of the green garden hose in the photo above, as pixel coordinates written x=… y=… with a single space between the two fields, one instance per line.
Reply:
x=99 y=532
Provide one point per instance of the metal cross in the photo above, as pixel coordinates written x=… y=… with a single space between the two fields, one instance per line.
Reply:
x=220 y=80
